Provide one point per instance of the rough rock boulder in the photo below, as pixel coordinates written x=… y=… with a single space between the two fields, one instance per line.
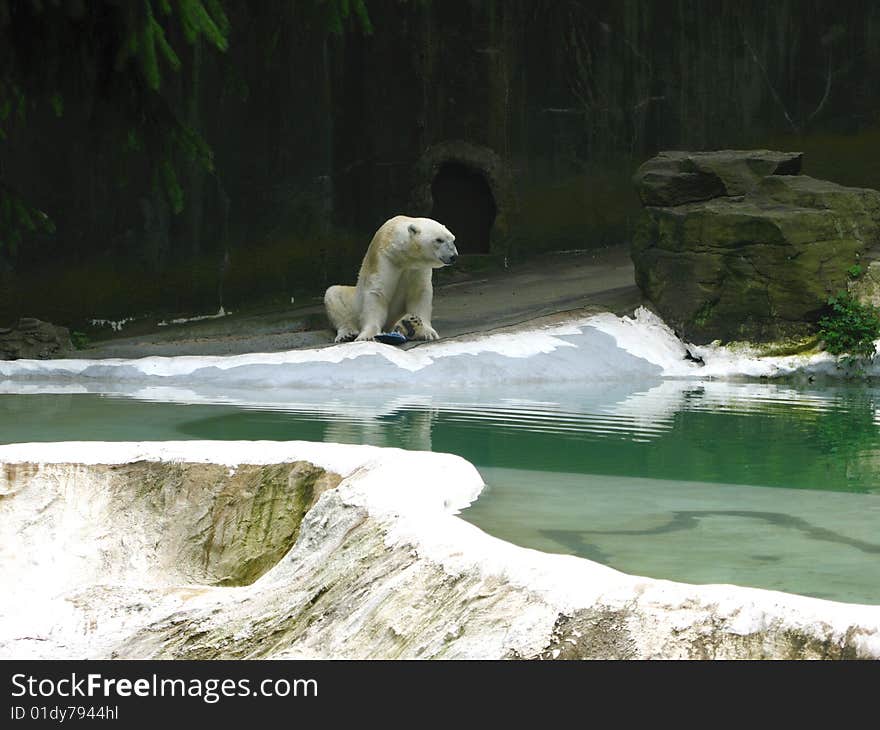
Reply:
x=759 y=258
x=675 y=178
x=33 y=339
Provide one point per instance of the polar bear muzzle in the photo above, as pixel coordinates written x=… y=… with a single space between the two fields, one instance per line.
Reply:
x=446 y=251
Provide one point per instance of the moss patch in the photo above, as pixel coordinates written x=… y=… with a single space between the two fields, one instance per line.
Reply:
x=793 y=346
x=222 y=526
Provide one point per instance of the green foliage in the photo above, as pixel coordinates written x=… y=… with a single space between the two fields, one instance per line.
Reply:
x=206 y=19
x=123 y=51
x=80 y=340
x=855 y=271
x=12 y=104
x=17 y=219
x=132 y=141
x=850 y=329
x=57 y=102
x=48 y=49
x=171 y=185
x=145 y=39
x=337 y=12
x=704 y=314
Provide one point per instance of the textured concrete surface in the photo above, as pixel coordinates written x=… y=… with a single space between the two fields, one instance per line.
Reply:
x=601 y=279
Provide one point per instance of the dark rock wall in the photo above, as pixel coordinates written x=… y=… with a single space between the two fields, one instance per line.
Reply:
x=318 y=139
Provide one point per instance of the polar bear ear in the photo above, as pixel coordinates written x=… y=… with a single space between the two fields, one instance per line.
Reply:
x=414 y=229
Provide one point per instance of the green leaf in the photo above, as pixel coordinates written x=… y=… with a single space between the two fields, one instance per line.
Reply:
x=167 y=51
x=147 y=57
x=360 y=10
x=173 y=191
x=57 y=102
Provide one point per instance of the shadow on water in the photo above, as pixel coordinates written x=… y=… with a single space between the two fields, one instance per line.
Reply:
x=579 y=541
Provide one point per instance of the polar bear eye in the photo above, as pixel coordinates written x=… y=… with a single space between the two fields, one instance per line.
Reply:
x=439 y=240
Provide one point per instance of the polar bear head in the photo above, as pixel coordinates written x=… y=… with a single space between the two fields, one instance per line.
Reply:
x=432 y=242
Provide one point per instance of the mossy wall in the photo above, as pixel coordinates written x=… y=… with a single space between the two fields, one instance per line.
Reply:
x=317 y=137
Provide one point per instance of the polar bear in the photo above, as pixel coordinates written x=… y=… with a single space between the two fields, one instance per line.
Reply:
x=394 y=288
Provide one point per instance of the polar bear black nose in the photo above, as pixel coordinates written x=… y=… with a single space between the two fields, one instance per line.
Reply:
x=453 y=258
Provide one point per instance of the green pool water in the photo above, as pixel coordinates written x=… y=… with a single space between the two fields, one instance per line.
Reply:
x=754 y=484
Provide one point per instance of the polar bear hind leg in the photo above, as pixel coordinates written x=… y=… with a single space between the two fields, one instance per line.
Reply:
x=339 y=302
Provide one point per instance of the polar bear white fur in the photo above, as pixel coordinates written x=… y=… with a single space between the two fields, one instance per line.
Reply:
x=394 y=284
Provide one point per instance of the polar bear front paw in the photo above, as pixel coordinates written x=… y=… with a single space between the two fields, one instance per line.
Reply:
x=345 y=336
x=367 y=333
x=413 y=327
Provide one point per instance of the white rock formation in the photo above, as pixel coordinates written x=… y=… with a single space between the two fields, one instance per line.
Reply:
x=135 y=550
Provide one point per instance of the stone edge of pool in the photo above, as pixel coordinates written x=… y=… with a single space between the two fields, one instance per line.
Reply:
x=565 y=347
x=383 y=568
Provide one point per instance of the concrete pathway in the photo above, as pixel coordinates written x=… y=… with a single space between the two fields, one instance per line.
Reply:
x=594 y=279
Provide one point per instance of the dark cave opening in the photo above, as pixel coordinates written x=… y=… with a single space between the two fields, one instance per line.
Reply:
x=463 y=202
